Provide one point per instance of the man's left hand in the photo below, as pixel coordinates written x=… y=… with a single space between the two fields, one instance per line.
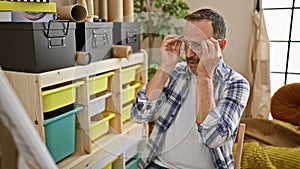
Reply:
x=210 y=56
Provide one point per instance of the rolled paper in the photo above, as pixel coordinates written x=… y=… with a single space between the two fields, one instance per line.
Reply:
x=128 y=10
x=83 y=3
x=90 y=9
x=115 y=10
x=96 y=7
x=83 y=58
x=121 y=51
x=75 y=13
x=102 y=9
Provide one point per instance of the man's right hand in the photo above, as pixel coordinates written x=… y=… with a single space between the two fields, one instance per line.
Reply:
x=170 y=52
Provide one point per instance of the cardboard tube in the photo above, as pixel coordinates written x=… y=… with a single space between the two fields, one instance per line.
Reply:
x=75 y=13
x=115 y=10
x=121 y=51
x=83 y=58
x=85 y=5
x=96 y=7
x=128 y=10
x=103 y=9
x=90 y=7
x=82 y=3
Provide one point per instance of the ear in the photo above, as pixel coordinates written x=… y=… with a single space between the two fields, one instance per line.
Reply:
x=222 y=44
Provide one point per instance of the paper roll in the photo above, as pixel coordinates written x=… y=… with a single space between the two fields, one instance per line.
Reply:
x=83 y=58
x=115 y=10
x=96 y=7
x=82 y=3
x=102 y=9
x=90 y=9
x=128 y=10
x=75 y=13
x=121 y=51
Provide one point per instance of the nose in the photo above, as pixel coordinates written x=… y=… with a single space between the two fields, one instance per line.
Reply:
x=189 y=52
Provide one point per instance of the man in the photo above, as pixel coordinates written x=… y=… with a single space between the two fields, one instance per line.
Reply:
x=197 y=104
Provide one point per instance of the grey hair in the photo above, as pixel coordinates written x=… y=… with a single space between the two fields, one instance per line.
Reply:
x=218 y=22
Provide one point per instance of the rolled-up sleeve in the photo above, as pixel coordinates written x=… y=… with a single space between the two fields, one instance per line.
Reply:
x=221 y=123
x=143 y=109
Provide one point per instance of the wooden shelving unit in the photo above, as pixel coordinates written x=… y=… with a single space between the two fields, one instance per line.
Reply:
x=122 y=136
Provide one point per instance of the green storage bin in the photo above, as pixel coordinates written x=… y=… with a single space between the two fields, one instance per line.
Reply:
x=134 y=162
x=60 y=134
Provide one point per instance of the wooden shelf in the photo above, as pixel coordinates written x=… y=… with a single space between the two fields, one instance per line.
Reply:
x=29 y=86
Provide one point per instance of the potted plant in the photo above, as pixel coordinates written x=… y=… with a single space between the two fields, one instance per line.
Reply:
x=157 y=20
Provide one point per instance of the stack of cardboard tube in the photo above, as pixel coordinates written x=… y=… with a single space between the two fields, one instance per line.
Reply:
x=107 y=10
x=114 y=10
x=104 y=10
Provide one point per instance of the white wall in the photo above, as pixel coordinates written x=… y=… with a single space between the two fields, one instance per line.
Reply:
x=238 y=17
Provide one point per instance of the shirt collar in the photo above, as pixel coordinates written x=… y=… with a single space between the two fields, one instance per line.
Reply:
x=220 y=69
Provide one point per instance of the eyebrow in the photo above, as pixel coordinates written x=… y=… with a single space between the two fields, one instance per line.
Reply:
x=183 y=40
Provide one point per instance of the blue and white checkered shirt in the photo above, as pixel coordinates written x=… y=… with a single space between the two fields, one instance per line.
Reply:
x=218 y=130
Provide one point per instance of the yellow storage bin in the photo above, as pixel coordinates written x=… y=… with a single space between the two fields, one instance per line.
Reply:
x=126 y=113
x=59 y=97
x=128 y=74
x=99 y=83
x=100 y=124
x=128 y=93
x=109 y=165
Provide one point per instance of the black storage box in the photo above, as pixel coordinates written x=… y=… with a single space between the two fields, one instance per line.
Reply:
x=95 y=38
x=127 y=33
x=37 y=46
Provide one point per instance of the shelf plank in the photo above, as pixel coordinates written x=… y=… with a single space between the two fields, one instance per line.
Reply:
x=113 y=103
x=133 y=59
x=83 y=142
x=77 y=72
x=28 y=90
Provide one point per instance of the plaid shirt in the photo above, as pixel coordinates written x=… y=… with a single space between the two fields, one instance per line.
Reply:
x=218 y=130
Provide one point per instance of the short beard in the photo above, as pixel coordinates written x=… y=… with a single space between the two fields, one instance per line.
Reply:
x=193 y=59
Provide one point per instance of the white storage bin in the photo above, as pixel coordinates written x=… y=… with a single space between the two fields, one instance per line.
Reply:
x=97 y=105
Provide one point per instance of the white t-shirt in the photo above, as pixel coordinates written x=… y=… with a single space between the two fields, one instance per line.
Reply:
x=183 y=146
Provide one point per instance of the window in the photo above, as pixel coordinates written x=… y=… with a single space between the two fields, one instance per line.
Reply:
x=282 y=19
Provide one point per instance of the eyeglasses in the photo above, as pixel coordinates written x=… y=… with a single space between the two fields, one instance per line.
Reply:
x=196 y=46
